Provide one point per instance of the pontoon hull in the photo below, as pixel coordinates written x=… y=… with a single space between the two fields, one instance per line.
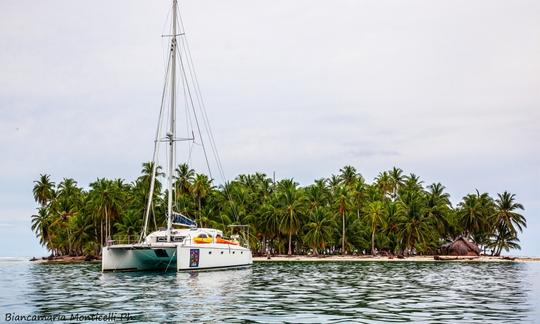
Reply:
x=138 y=258
x=180 y=257
x=212 y=256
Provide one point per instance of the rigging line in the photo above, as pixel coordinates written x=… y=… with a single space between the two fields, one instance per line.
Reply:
x=188 y=161
x=198 y=93
x=154 y=217
x=189 y=122
x=186 y=110
x=206 y=125
x=195 y=116
x=170 y=260
x=202 y=105
x=166 y=54
x=180 y=41
x=193 y=74
x=155 y=157
x=209 y=130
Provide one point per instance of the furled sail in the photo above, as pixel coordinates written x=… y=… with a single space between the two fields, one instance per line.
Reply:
x=179 y=219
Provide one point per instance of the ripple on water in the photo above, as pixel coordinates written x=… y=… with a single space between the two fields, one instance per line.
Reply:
x=283 y=292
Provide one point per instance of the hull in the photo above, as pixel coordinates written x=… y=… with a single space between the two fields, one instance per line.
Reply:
x=212 y=256
x=192 y=257
x=138 y=258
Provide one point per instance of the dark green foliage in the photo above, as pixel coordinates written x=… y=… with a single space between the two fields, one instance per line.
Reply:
x=340 y=214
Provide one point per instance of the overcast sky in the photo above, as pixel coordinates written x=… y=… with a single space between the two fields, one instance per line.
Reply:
x=448 y=90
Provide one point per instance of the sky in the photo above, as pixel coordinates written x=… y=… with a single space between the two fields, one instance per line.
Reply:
x=448 y=90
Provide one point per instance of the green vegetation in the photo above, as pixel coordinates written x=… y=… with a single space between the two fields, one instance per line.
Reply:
x=342 y=214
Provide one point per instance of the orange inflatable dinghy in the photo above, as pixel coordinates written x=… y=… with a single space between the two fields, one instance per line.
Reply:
x=224 y=241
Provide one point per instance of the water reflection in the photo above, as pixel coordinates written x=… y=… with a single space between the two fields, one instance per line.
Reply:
x=284 y=292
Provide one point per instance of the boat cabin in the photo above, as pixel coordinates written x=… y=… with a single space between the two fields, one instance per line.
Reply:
x=179 y=235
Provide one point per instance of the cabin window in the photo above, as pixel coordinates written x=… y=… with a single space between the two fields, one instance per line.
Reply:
x=177 y=238
x=209 y=252
x=221 y=252
x=232 y=252
x=161 y=239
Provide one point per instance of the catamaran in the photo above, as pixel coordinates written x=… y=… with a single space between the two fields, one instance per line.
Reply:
x=182 y=245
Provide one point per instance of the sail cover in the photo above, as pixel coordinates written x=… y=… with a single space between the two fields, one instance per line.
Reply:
x=179 y=219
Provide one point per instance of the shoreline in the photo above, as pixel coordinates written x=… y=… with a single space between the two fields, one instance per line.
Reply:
x=331 y=258
x=423 y=258
x=65 y=260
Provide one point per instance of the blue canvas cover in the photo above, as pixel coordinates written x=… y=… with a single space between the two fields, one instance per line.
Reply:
x=179 y=219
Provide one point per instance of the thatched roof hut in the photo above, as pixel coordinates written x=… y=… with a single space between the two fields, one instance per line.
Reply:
x=461 y=246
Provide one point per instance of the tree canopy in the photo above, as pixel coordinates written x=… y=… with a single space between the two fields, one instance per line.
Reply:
x=396 y=213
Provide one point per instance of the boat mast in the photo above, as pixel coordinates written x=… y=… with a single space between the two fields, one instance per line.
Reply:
x=172 y=130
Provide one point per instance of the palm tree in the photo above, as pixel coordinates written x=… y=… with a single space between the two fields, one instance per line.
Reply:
x=146 y=176
x=334 y=181
x=318 y=229
x=375 y=212
x=504 y=239
x=507 y=221
x=438 y=206
x=80 y=230
x=412 y=182
x=475 y=214
x=202 y=187
x=505 y=212
x=396 y=180
x=348 y=176
x=413 y=226
x=43 y=190
x=263 y=185
x=384 y=183
x=289 y=201
x=342 y=202
x=40 y=226
x=358 y=195
x=69 y=195
x=106 y=199
x=317 y=194
x=128 y=227
x=269 y=223
x=392 y=225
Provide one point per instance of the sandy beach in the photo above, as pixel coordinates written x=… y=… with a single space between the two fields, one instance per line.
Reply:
x=337 y=258
x=425 y=258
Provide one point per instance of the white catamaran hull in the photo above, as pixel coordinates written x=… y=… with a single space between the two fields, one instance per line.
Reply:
x=212 y=256
x=179 y=257
x=138 y=257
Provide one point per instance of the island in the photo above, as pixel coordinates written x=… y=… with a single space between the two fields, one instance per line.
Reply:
x=342 y=217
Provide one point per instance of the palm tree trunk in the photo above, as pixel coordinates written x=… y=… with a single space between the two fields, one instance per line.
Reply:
x=101 y=232
x=343 y=234
x=290 y=245
x=499 y=250
x=200 y=209
x=373 y=241
x=107 y=226
x=69 y=242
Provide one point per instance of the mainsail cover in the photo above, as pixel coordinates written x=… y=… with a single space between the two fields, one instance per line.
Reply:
x=179 y=219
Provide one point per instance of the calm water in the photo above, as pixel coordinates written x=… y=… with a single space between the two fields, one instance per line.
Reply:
x=281 y=292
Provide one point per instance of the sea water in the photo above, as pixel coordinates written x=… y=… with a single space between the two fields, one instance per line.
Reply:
x=270 y=292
